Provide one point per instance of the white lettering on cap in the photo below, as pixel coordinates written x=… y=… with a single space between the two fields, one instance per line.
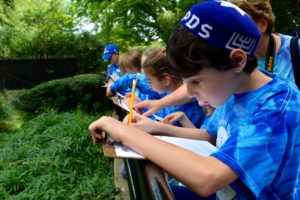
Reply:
x=193 y=22
x=242 y=42
x=205 y=28
x=230 y=5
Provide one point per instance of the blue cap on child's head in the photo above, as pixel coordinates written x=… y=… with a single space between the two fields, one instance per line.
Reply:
x=109 y=50
x=222 y=25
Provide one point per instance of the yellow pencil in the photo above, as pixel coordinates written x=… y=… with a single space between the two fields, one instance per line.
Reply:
x=131 y=101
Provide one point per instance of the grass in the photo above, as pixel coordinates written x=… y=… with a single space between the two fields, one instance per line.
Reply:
x=10 y=119
x=52 y=157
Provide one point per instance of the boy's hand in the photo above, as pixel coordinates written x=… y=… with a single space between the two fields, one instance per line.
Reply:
x=109 y=93
x=142 y=122
x=127 y=98
x=109 y=125
x=152 y=105
x=181 y=118
x=174 y=117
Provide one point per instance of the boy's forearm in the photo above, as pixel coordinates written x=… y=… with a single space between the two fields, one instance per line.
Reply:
x=186 y=122
x=110 y=82
x=178 y=97
x=183 y=132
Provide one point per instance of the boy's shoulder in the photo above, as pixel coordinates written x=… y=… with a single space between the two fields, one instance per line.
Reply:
x=279 y=96
x=278 y=89
x=281 y=85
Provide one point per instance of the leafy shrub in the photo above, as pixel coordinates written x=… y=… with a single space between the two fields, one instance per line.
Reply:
x=83 y=91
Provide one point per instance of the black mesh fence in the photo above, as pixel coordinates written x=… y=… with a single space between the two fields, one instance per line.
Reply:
x=28 y=72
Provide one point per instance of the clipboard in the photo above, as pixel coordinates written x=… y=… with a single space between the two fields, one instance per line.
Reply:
x=109 y=151
x=199 y=147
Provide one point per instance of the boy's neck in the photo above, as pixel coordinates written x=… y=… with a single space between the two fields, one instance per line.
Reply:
x=262 y=48
x=253 y=81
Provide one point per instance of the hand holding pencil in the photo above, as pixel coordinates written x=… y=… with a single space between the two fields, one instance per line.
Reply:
x=131 y=101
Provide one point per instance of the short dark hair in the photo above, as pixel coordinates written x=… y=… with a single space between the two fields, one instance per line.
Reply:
x=188 y=54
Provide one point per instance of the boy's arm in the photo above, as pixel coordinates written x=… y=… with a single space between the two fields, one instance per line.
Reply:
x=184 y=132
x=109 y=82
x=178 y=97
x=204 y=175
x=151 y=126
x=186 y=122
x=118 y=84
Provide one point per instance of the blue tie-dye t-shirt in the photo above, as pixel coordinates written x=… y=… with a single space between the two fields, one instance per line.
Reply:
x=259 y=138
x=282 y=64
x=113 y=72
x=143 y=91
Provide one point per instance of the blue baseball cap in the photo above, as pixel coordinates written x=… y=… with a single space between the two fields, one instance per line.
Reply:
x=222 y=25
x=109 y=50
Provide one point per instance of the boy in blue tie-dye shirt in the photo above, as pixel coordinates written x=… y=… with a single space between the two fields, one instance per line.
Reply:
x=258 y=154
x=111 y=53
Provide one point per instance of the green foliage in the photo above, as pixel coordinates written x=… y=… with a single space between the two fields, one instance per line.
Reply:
x=47 y=29
x=31 y=25
x=57 y=28
x=53 y=158
x=82 y=91
x=7 y=120
x=287 y=15
x=4 y=116
x=4 y=112
x=129 y=23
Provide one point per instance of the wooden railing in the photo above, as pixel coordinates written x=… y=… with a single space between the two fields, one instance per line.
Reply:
x=146 y=181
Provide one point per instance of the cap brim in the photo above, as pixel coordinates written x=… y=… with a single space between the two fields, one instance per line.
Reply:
x=106 y=56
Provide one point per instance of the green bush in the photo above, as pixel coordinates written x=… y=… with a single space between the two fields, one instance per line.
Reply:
x=83 y=91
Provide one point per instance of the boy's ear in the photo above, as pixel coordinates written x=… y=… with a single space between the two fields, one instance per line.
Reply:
x=240 y=58
x=167 y=81
x=262 y=24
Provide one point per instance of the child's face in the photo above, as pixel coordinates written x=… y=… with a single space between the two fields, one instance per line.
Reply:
x=114 y=58
x=212 y=87
x=155 y=84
